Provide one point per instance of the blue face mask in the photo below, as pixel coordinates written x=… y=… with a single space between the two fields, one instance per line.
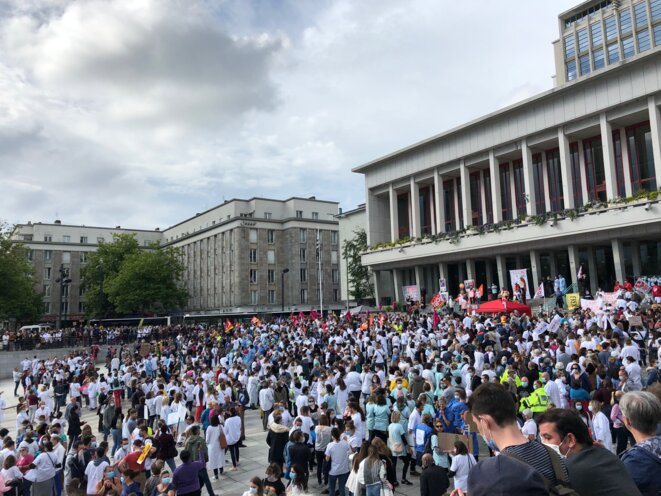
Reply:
x=292 y=475
x=110 y=474
x=167 y=480
x=253 y=490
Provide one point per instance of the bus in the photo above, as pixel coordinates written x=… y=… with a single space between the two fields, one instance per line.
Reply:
x=132 y=321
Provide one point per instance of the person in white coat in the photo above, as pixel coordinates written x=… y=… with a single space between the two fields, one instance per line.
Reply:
x=216 y=452
x=232 y=431
x=600 y=425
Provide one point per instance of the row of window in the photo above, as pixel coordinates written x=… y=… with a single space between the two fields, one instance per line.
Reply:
x=589 y=12
x=581 y=60
x=47 y=289
x=64 y=306
x=303 y=300
x=303 y=276
x=303 y=236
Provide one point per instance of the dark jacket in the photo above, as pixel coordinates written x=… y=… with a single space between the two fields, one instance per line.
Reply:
x=433 y=480
x=277 y=439
x=299 y=454
x=168 y=448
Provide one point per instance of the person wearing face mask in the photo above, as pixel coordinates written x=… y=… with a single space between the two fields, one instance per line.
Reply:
x=165 y=484
x=494 y=411
x=109 y=483
x=593 y=471
x=537 y=402
x=256 y=487
x=273 y=485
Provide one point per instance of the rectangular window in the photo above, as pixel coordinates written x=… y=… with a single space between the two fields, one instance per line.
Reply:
x=476 y=199
x=100 y=240
x=271 y=296
x=519 y=187
x=303 y=255
x=570 y=47
x=335 y=275
x=83 y=257
x=627 y=47
x=303 y=275
x=303 y=235
x=268 y=215
x=582 y=40
x=613 y=53
x=619 y=164
x=555 y=180
x=641 y=158
x=47 y=273
x=66 y=239
x=299 y=214
x=336 y=295
x=271 y=276
x=334 y=256
x=598 y=58
x=64 y=306
x=253 y=276
x=30 y=254
x=46 y=290
x=254 y=297
x=253 y=255
x=46 y=307
x=334 y=237
x=576 y=174
x=487 y=196
x=65 y=291
x=594 y=169
x=643 y=41
x=253 y=236
x=27 y=237
x=304 y=296
x=571 y=70
x=48 y=255
x=538 y=180
x=655 y=10
x=584 y=63
x=66 y=257
x=83 y=240
x=315 y=215
x=625 y=21
x=48 y=238
x=596 y=34
x=81 y=307
x=640 y=12
x=81 y=291
x=270 y=256
x=505 y=191
x=611 y=28
x=270 y=236
x=460 y=205
x=657 y=35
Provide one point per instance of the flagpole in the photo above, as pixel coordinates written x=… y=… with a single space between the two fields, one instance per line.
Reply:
x=321 y=287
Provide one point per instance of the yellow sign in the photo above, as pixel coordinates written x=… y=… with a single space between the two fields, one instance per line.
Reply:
x=573 y=300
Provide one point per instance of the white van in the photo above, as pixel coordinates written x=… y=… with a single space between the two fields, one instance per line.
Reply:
x=37 y=327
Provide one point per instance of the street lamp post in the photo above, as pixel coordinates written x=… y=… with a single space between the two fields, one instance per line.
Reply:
x=282 y=287
x=64 y=283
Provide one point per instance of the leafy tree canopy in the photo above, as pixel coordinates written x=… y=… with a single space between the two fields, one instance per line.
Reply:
x=360 y=285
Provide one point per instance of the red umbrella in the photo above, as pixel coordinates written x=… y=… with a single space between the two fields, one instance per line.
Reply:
x=498 y=306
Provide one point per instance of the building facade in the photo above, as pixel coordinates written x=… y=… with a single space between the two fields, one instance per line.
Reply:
x=234 y=256
x=565 y=179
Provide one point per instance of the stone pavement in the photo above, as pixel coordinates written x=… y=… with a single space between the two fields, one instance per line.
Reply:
x=253 y=458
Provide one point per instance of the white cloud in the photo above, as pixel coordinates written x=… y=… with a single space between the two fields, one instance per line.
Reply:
x=142 y=112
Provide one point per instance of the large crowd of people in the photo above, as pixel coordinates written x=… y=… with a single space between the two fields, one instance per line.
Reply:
x=554 y=403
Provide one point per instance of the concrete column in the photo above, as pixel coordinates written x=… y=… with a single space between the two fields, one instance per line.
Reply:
x=483 y=197
x=397 y=283
x=547 y=191
x=457 y=210
x=415 y=209
x=465 y=194
x=635 y=258
x=584 y=177
x=565 y=169
x=419 y=279
x=574 y=263
x=377 y=288
x=502 y=276
x=534 y=268
x=394 y=225
x=592 y=270
x=655 y=128
x=528 y=177
x=443 y=271
x=609 y=157
x=628 y=190
x=438 y=202
x=495 y=188
x=515 y=210
x=618 y=259
x=470 y=268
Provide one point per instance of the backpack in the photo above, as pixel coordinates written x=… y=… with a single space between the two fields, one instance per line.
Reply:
x=563 y=486
x=222 y=440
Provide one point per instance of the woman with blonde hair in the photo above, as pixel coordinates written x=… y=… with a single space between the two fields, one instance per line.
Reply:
x=372 y=474
x=601 y=430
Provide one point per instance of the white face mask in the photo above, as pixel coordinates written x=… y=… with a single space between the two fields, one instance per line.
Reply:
x=556 y=448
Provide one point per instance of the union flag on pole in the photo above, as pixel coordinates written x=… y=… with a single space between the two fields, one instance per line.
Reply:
x=228 y=326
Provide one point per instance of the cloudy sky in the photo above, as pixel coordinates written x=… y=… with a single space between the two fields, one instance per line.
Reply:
x=143 y=112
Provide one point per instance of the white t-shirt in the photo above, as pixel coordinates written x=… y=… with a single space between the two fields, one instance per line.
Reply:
x=94 y=474
x=530 y=427
x=461 y=465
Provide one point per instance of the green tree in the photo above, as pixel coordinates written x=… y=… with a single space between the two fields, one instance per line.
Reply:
x=148 y=282
x=18 y=297
x=102 y=265
x=359 y=277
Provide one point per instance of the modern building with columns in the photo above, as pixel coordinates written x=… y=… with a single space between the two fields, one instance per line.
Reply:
x=549 y=184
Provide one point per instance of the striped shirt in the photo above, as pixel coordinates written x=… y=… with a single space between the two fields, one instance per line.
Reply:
x=536 y=455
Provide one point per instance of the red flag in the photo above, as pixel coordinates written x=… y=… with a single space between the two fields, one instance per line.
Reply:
x=437 y=320
x=347 y=316
x=228 y=326
x=371 y=321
